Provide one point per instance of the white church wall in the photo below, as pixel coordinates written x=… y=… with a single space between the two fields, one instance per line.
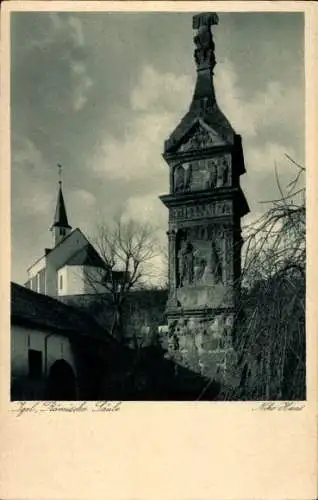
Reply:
x=62 y=281
x=78 y=280
x=37 y=267
x=57 y=258
x=51 y=279
x=71 y=280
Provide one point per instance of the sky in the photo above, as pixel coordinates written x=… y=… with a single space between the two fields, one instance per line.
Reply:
x=100 y=92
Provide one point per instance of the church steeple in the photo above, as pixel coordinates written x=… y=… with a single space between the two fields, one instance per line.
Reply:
x=60 y=227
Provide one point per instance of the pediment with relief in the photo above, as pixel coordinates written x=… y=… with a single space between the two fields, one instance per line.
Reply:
x=201 y=137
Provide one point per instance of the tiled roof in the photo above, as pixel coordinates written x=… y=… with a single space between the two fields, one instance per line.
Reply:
x=86 y=256
x=46 y=312
x=56 y=246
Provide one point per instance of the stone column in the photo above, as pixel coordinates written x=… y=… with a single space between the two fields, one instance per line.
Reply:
x=201 y=314
x=172 y=265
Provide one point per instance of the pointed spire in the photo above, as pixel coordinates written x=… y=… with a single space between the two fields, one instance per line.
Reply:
x=60 y=218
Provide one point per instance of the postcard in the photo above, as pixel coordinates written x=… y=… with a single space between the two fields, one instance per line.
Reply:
x=158 y=211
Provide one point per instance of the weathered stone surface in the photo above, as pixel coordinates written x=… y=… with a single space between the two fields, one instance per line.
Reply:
x=204 y=345
x=202 y=174
x=205 y=206
x=198 y=210
x=201 y=297
x=202 y=138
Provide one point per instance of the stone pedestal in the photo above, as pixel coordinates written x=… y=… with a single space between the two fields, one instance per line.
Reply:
x=203 y=343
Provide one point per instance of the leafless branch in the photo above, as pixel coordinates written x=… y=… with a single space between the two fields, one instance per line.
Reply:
x=127 y=248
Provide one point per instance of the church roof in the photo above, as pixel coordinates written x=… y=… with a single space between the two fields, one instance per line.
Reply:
x=34 y=309
x=48 y=251
x=60 y=218
x=86 y=256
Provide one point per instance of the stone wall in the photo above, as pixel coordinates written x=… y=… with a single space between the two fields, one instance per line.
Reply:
x=204 y=345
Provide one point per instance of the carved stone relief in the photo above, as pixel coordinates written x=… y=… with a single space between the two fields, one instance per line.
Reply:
x=185 y=263
x=210 y=180
x=220 y=171
x=201 y=139
x=182 y=177
x=203 y=40
x=198 y=211
x=200 y=264
x=213 y=269
x=204 y=174
x=200 y=256
x=223 y=170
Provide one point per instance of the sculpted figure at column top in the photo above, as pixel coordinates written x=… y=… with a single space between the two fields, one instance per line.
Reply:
x=204 y=52
x=204 y=20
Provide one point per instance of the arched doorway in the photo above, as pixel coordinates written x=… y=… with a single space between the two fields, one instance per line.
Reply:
x=61 y=382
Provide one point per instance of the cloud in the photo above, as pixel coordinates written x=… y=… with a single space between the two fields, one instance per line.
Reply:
x=60 y=28
x=81 y=197
x=161 y=91
x=266 y=121
x=156 y=105
x=64 y=42
x=262 y=164
x=265 y=158
x=136 y=155
x=275 y=105
x=81 y=209
x=158 y=102
x=147 y=208
x=40 y=203
x=77 y=30
x=29 y=187
x=260 y=183
x=25 y=154
x=82 y=83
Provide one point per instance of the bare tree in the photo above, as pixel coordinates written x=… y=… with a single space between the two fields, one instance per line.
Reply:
x=277 y=239
x=127 y=248
x=271 y=339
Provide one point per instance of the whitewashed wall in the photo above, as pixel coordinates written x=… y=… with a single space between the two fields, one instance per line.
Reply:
x=72 y=280
x=78 y=280
x=61 y=254
x=23 y=339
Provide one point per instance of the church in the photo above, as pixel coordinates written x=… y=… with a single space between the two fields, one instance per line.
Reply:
x=64 y=269
x=57 y=351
